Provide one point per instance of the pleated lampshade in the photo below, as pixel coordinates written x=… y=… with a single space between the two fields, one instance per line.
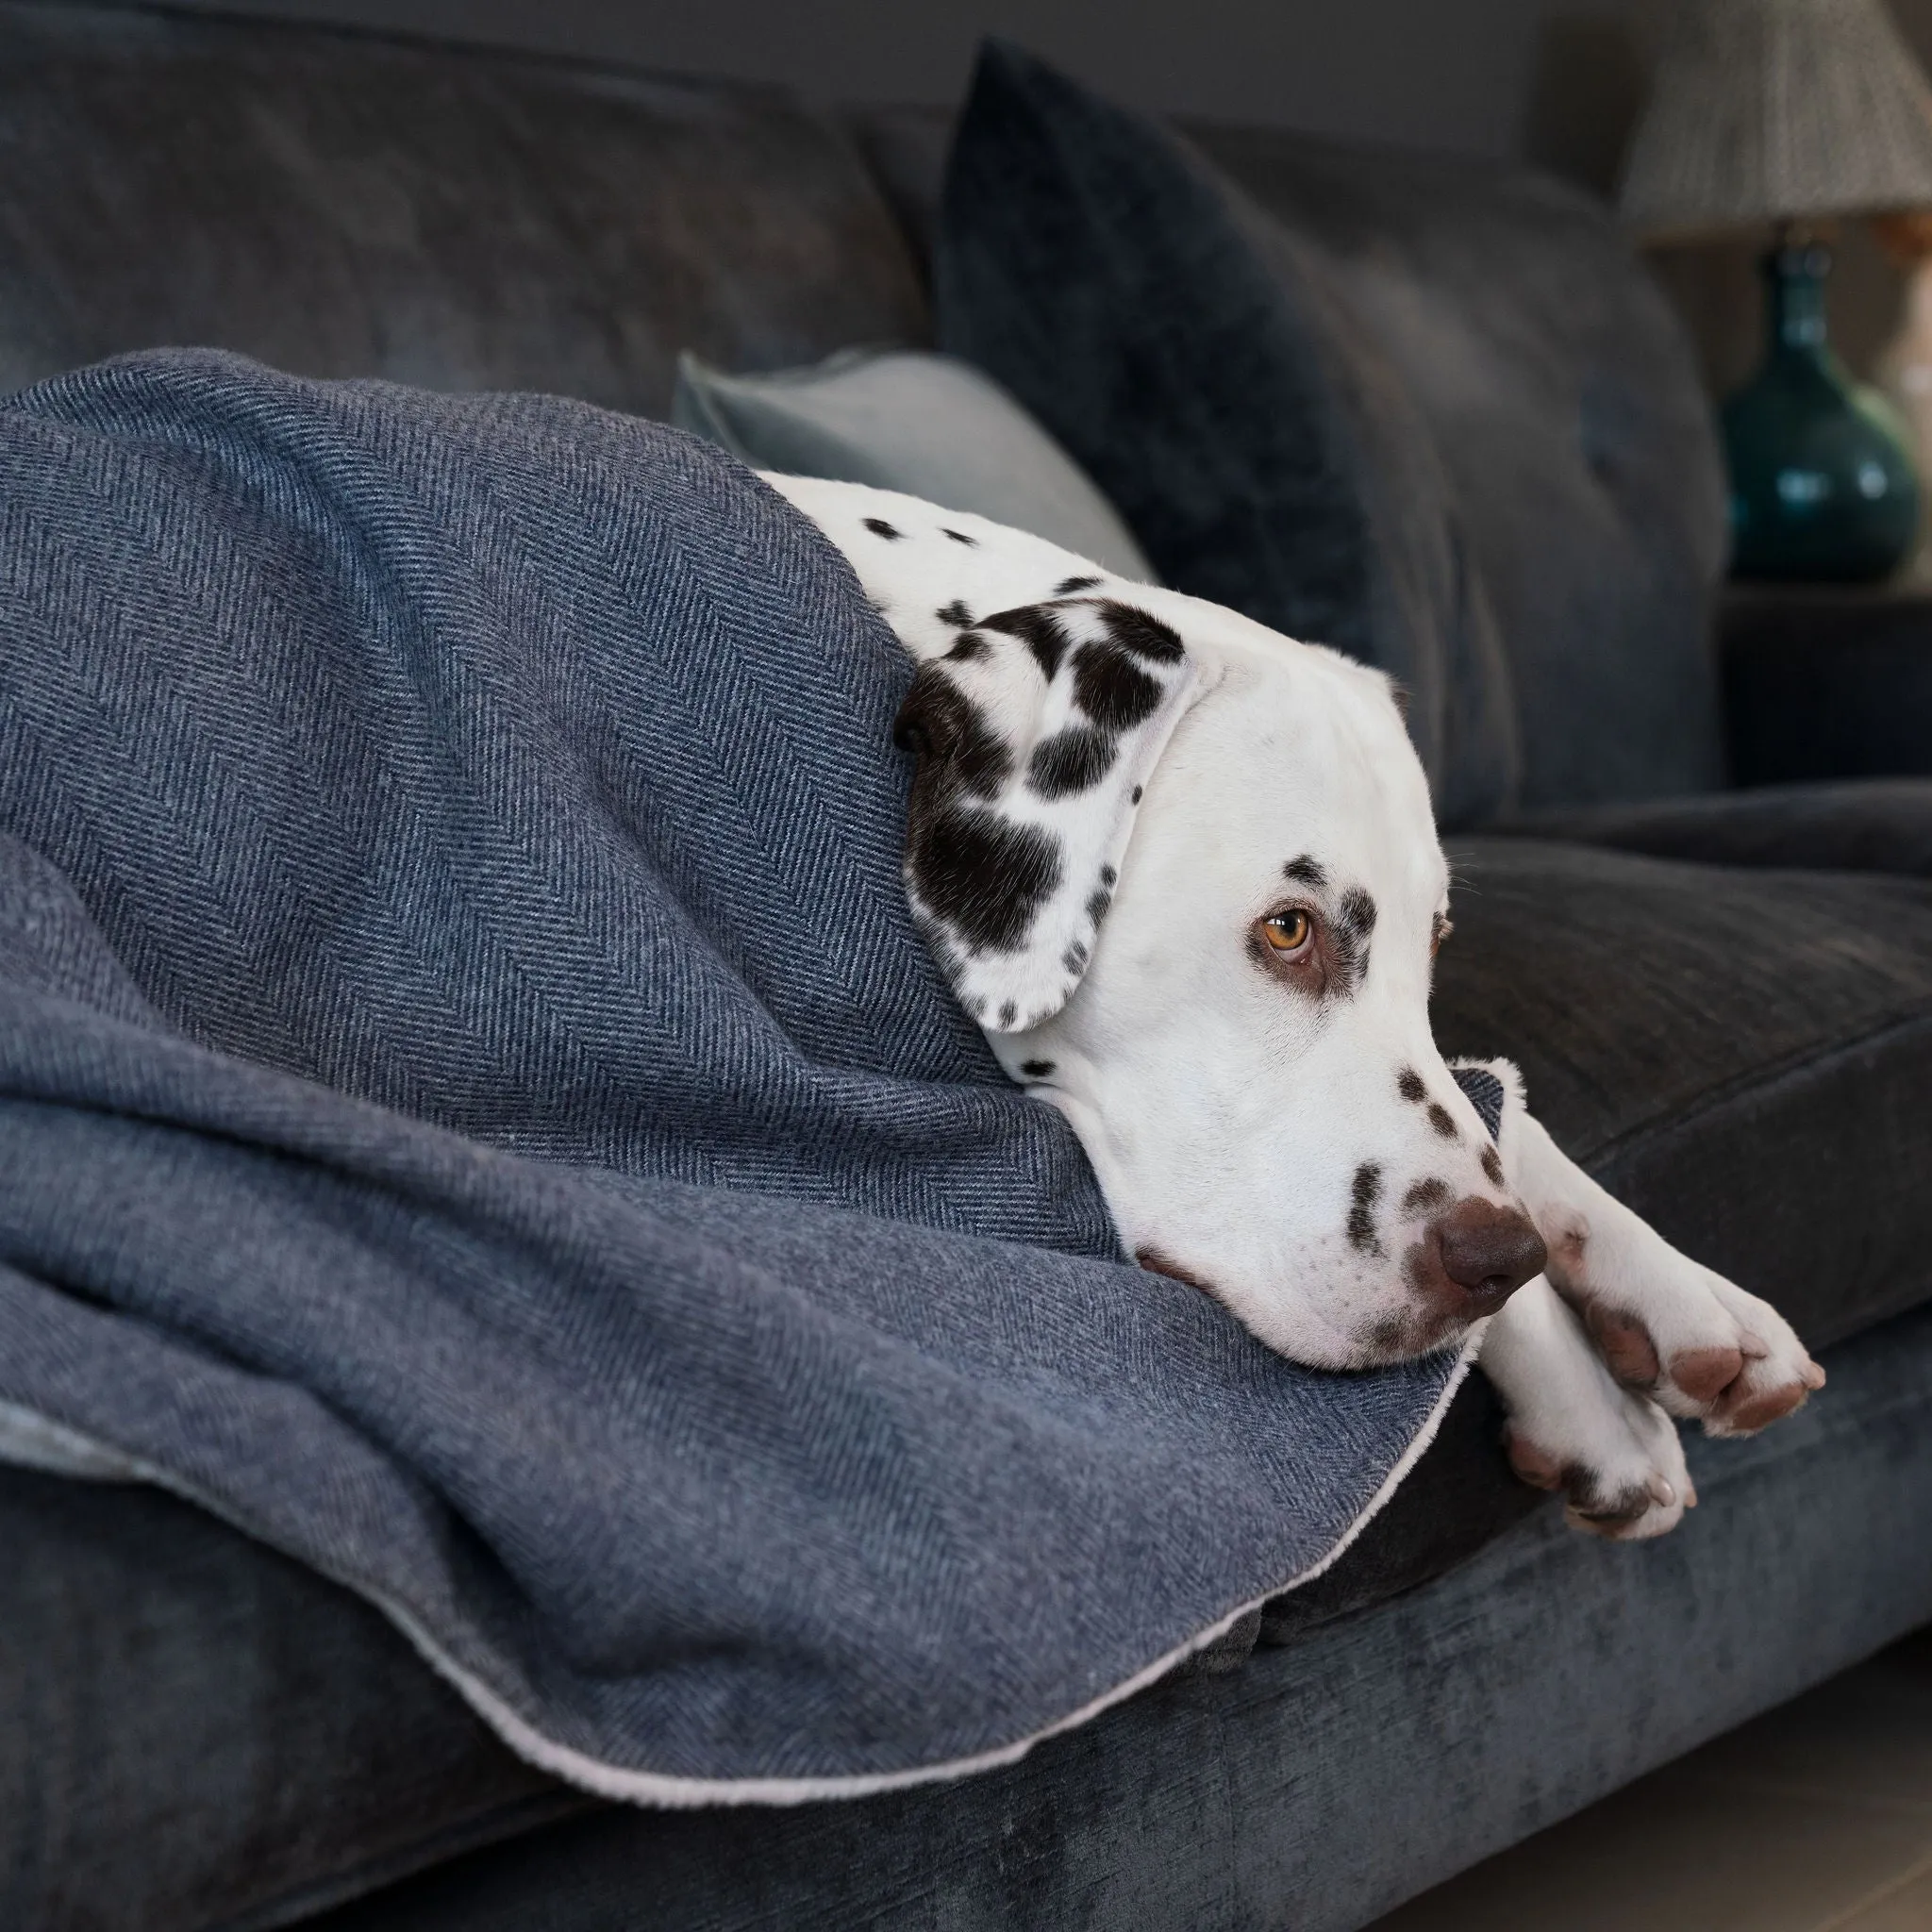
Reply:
x=1771 y=111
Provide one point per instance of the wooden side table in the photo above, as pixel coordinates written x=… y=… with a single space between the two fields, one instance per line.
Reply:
x=1826 y=682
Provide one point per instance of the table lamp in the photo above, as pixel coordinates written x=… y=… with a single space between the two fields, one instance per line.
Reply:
x=1778 y=115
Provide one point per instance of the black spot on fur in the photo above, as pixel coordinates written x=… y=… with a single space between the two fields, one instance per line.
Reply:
x=1107 y=875
x=948 y=731
x=1355 y=919
x=1137 y=789
x=1408 y=1083
x=1067 y=586
x=986 y=878
x=1492 y=1166
x=1076 y=759
x=983 y=879
x=1038 y=627
x=1145 y=636
x=1075 y=957
x=1438 y=1119
x=956 y=614
x=1097 y=905
x=960 y=537
x=1364 y=1191
x=879 y=528
x=1388 y=1336
x=1035 y=1069
x=1305 y=872
x=968 y=647
x=1111 y=688
x=1424 y=1195
x=1594 y=1504
x=1009 y=1013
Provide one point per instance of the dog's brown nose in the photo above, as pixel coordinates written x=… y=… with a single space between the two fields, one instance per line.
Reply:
x=1482 y=1253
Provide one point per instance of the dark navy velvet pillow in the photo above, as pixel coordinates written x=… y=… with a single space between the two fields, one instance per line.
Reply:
x=1204 y=366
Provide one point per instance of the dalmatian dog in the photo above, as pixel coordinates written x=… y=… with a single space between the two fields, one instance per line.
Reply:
x=1183 y=873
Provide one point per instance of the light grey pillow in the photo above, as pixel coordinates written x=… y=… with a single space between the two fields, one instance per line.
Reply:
x=902 y=419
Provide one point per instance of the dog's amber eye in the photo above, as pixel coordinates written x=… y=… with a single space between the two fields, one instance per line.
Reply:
x=1442 y=930
x=1288 y=932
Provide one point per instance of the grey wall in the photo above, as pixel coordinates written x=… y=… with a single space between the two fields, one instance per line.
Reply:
x=1556 y=81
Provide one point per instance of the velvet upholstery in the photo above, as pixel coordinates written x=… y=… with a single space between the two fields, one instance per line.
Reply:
x=1574 y=426
x=339 y=204
x=1742 y=1054
x=1851 y=825
x=196 y=1731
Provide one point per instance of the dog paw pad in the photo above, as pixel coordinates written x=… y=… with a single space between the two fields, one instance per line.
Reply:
x=1536 y=1467
x=1758 y=1408
x=1625 y=1345
x=1705 y=1374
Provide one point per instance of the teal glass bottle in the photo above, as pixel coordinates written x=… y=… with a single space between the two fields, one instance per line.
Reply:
x=1821 y=483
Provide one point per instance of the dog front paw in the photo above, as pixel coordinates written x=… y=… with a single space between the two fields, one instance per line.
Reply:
x=1672 y=1330
x=1617 y=1462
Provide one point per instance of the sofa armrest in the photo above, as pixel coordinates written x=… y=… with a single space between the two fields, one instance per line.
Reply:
x=1826 y=683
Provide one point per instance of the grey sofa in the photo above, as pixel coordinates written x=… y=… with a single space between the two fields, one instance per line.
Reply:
x=196 y=1733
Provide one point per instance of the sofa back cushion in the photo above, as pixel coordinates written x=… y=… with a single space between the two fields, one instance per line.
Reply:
x=1427 y=412
x=1568 y=410
x=341 y=205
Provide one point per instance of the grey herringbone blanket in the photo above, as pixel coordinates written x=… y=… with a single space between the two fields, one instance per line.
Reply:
x=474 y=1112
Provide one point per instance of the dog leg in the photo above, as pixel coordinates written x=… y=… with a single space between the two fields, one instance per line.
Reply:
x=1665 y=1325
x=1613 y=1453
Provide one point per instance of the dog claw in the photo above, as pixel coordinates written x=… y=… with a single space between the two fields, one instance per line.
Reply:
x=1661 y=1493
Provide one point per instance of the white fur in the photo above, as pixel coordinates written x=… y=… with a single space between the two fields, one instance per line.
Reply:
x=1226 y=1113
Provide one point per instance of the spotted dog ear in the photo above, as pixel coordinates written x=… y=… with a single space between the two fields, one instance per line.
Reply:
x=1035 y=733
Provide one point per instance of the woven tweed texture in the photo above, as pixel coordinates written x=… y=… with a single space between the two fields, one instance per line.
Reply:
x=474 y=1112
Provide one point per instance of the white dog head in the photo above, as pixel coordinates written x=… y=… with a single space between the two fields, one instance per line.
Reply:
x=1185 y=874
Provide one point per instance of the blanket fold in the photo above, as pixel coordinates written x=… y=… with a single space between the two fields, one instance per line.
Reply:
x=474 y=1112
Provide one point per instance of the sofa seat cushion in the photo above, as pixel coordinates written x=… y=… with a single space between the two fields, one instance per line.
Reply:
x=1314 y=1788
x=1742 y=1054
x=1852 y=824
x=196 y=1731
